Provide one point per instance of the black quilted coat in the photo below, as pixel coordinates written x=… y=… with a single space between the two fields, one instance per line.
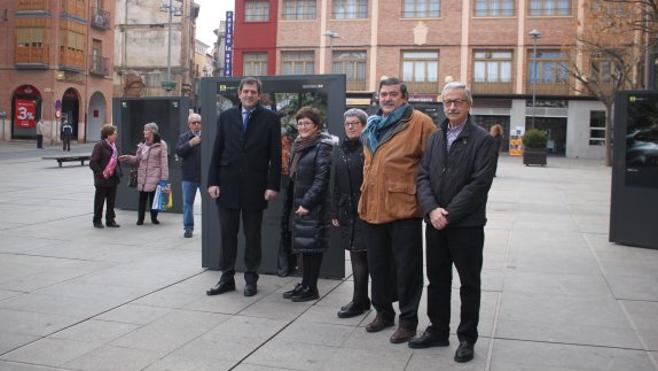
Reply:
x=310 y=189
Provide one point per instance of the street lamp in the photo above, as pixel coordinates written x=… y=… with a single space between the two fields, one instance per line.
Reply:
x=331 y=35
x=166 y=6
x=534 y=35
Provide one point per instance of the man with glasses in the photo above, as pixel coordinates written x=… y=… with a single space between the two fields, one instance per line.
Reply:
x=189 y=150
x=454 y=179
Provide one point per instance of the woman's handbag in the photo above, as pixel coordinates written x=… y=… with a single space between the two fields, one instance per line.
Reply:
x=132 y=180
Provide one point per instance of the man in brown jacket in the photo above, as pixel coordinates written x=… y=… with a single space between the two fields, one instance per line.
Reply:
x=393 y=144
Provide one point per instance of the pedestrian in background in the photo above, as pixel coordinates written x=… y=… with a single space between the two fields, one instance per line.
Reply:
x=310 y=172
x=188 y=149
x=41 y=128
x=348 y=176
x=107 y=175
x=496 y=132
x=67 y=134
x=153 y=166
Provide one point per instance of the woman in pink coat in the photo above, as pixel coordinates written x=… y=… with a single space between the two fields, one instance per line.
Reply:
x=151 y=157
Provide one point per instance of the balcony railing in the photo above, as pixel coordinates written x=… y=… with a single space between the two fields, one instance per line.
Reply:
x=548 y=89
x=74 y=8
x=356 y=85
x=100 y=18
x=71 y=59
x=99 y=66
x=423 y=87
x=32 y=5
x=492 y=88
x=31 y=55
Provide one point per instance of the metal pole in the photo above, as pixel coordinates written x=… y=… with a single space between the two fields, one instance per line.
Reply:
x=169 y=43
x=534 y=81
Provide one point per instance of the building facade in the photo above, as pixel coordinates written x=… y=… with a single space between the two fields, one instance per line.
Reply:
x=485 y=43
x=55 y=64
x=148 y=57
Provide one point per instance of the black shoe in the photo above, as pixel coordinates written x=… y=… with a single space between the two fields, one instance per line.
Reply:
x=140 y=222
x=98 y=225
x=188 y=233
x=155 y=221
x=250 y=289
x=221 y=287
x=428 y=339
x=464 y=352
x=305 y=294
x=112 y=224
x=379 y=323
x=351 y=310
x=402 y=335
x=290 y=293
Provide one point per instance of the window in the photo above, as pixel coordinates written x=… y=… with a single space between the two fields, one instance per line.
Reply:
x=30 y=37
x=298 y=9
x=492 y=66
x=494 y=8
x=353 y=65
x=256 y=11
x=596 y=128
x=550 y=7
x=254 y=64
x=350 y=9
x=421 y=8
x=72 y=40
x=420 y=66
x=297 y=63
x=549 y=67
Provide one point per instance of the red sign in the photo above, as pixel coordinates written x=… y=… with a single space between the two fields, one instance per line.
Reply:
x=25 y=113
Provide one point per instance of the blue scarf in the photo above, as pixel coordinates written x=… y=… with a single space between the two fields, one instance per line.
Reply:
x=379 y=125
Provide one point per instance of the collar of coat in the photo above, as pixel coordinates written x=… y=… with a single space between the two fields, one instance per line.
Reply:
x=465 y=132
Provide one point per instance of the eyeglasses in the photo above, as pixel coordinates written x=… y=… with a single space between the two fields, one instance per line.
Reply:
x=195 y=122
x=456 y=102
x=304 y=123
x=352 y=124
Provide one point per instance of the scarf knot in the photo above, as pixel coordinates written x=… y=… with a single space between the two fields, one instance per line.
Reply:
x=379 y=125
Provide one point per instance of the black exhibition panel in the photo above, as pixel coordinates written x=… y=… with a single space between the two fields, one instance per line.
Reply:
x=284 y=95
x=634 y=201
x=130 y=115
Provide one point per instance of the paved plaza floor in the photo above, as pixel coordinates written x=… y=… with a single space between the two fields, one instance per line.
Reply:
x=557 y=295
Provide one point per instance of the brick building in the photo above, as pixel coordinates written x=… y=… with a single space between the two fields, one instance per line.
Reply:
x=55 y=62
x=485 y=43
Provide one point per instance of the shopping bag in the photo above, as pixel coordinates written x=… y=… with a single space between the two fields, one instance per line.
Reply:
x=160 y=199
x=170 y=200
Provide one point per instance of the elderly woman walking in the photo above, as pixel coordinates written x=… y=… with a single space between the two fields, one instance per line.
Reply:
x=153 y=167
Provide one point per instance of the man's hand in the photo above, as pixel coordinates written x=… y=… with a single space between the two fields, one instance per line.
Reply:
x=335 y=222
x=270 y=194
x=438 y=218
x=195 y=140
x=213 y=191
x=301 y=211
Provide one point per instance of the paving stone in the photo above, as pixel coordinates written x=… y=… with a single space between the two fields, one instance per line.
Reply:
x=10 y=341
x=112 y=358
x=50 y=352
x=643 y=315
x=295 y=356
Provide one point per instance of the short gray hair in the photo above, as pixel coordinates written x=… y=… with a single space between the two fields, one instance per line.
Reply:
x=193 y=117
x=358 y=113
x=458 y=85
x=153 y=127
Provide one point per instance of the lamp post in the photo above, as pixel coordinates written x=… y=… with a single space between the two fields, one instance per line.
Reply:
x=168 y=7
x=331 y=35
x=534 y=35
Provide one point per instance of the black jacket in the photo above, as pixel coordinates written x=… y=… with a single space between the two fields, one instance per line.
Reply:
x=245 y=165
x=459 y=180
x=191 y=156
x=347 y=179
x=310 y=189
x=100 y=156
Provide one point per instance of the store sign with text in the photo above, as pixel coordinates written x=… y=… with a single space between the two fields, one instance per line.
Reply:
x=25 y=113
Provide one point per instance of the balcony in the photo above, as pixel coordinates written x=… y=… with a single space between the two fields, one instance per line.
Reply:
x=492 y=88
x=356 y=85
x=71 y=60
x=74 y=9
x=32 y=6
x=34 y=57
x=100 y=19
x=548 y=89
x=423 y=87
x=99 y=66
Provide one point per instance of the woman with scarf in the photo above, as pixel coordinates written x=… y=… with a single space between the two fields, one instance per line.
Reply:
x=153 y=167
x=348 y=176
x=103 y=162
x=308 y=201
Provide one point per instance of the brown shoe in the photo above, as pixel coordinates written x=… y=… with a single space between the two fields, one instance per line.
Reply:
x=402 y=335
x=379 y=323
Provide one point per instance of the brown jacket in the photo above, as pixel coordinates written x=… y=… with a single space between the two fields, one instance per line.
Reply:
x=388 y=192
x=153 y=165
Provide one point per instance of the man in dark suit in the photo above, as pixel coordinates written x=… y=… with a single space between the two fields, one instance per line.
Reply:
x=245 y=173
x=453 y=182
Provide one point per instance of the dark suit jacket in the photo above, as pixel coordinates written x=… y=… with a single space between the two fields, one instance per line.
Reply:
x=245 y=165
x=191 y=157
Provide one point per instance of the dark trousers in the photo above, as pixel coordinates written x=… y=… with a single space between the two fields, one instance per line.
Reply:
x=311 y=263
x=102 y=194
x=463 y=247
x=229 y=222
x=143 y=206
x=397 y=244
x=66 y=144
x=39 y=141
x=360 y=275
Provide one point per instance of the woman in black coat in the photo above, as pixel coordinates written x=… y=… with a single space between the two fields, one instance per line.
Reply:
x=105 y=165
x=348 y=176
x=310 y=169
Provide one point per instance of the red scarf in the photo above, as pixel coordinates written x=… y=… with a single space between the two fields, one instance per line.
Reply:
x=112 y=164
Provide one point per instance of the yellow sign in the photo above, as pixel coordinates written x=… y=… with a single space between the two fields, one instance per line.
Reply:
x=515 y=146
